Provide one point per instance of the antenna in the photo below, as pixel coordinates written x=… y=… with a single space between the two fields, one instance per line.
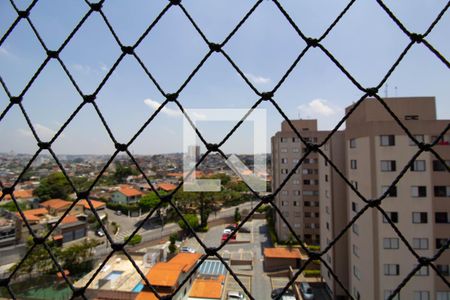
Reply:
x=386 y=89
x=395 y=88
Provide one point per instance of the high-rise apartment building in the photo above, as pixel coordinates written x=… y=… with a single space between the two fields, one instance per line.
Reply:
x=299 y=198
x=376 y=151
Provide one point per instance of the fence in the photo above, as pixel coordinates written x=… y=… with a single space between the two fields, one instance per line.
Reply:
x=23 y=16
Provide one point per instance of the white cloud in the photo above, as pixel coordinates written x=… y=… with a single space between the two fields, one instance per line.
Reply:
x=168 y=111
x=42 y=131
x=319 y=108
x=256 y=79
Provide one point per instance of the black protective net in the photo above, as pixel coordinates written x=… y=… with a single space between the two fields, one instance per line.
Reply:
x=216 y=48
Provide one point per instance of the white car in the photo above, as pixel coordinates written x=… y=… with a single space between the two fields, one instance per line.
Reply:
x=306 y=290
x=233 y=295
x=187 y=250
x=100 y=232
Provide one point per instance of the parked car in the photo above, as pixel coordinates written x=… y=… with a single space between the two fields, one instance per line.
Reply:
x=232 y=226
x=100 y=232
x=306 y=291
x=187 y=250
x=289 y=294
x=118 y=212
x=233 y=295
x=227 y=231
x=225 y=236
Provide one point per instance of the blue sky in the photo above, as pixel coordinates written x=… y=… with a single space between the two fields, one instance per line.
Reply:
x=366 y=42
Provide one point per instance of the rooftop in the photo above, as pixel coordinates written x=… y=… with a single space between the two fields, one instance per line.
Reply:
x=95 y=203
x=129 y=191
x=210 y=288
x=281 y=252
x=56 y=203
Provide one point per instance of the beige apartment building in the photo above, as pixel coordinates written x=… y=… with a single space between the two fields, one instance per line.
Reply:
x=299 y=198
x=376 y=151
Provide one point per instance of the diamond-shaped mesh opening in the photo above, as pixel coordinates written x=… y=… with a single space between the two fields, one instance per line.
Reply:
x=90 y=71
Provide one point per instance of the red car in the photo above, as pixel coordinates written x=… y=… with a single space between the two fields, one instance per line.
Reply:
x=225 y=236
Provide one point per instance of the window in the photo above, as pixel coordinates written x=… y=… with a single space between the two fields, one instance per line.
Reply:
x=355 y=250
x=326 y=178
x=283 y=140
x=295 y=161
x=418 y=166
x=306 y=182
x=353 y=164
x=352 y=143
x=283 y=150
x=419 y=217
x=388 y=165
x=420 y=243
x=421 y=295
x=418 y=191
x=443 y=269
x=284 y=171
x=438 y=166
x=356 y=272
x=307 y=203
x=442 y=191
x=311 y=193
x=393 y=216
x=423 y=271
x=445 y=140
x=355 y=229
x=307 y=171
x=296 y=193
x=295 y=203
x=355 y=207
x=295 y=181
x=390 y=243
x=284 y=193
x=295 y=150
x=388 y=293
x=411 y=117
x=354 y=183
x=443 y=295
x=391 y=269
x=392 y=191
x=294 y=140
x=284 y=160
x=387 y=140
x=441 y=217
x=419 y=137
x=441 y=243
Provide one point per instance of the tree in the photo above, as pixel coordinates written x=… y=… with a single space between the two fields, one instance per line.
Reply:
x=122 y=172
x=192 y=221
x=150 y=201
x=237 y=215
x=53 y=186
x=172 y=246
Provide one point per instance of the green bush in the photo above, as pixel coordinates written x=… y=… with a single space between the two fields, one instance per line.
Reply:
x=313 y=248
x=136 y=239
x=263 y=208
x=311 y=273
x=202 y=229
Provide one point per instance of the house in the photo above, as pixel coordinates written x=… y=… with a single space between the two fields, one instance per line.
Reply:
x=207 y=288
x=71 y=228
x=166 y=187
x=57 y=207
x=9 y=230
x=281 y=258
x=34 y=216
x=20 y=195
x=126 y=195
x=165 y=277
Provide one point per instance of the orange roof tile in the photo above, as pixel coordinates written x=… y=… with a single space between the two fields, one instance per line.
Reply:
x=129 y=191
x=69 y=219
x=147 y=296
x=187 y=260
x=281 y=252
x=33 y=214
x=165 y=274
x=56 y=203
x=167 y=186
x=95 y=203
x=21 y=194
x=210 y=288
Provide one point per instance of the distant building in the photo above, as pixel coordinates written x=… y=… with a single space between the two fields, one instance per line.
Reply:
x=194 y=153
x=20 y=195
x=126 y=195
x=10 y=230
